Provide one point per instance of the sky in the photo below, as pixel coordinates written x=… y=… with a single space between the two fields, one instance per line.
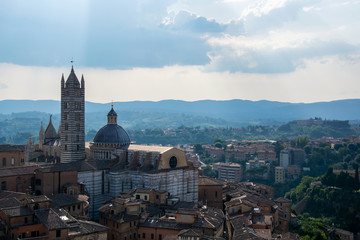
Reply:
x=128 y=50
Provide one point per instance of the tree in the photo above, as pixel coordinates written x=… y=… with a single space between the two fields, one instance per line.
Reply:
x=307 y=149
x=218 y=145
x=329 y=178
x=357 y=181
x=302 y=141
x=198 y=148
x=278 y=148
x=209 y=172
x=352 y=147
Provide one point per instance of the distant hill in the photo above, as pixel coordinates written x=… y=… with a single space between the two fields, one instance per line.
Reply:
x=20 y=119
x=234 y=112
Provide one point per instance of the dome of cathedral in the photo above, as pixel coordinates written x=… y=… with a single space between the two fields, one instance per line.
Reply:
x=112 y=134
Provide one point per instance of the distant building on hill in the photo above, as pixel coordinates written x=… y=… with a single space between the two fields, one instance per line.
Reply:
x=230 y=171
x=279 y=174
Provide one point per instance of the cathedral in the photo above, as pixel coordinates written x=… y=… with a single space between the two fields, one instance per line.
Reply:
x=113 y=163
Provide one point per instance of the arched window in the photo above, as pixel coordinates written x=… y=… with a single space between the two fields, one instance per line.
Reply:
x=173 y=162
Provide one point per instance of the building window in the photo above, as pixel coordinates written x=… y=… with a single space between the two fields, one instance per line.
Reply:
x=4 y=162
x=12 y=161
x=38 y=182
x=137 y=196
x=216 y=194
x=78 y=147
x=58 y=233
x=145 y=197
x=152 y=236
x=22 y=160
x=160 y=237
x=25 y=219
x=144 y=235
x=173 y=162
x=3 y=185
x=65 y=147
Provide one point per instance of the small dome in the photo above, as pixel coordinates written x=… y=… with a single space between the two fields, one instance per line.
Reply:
x=112 y=134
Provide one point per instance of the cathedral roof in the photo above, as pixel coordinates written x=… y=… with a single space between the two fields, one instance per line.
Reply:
x=112 y=134
x=72 y=80
x=50 y=132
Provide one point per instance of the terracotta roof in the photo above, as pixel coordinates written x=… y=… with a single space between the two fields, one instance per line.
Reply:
x=80 y=166
x=10 y=194
x=209 y=181
x=37 y=199
x=18 y=171
x=264 y=233
x=17 y=211
x=12 y=148
x=189 y=233
x=241 y=220
x=246 y=233
x=63 y=200
x=9 y=203
x=123 y=217
x=82 y=227
x=143 y=190
x=262 y=219
x=157 y=223
x=50 y=219
x=283 y=200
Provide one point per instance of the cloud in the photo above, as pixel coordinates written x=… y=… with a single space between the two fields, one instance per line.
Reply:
x=186 y=21
x=3 y=85
x=119 y=34
x=240 y=54
x=252 y=36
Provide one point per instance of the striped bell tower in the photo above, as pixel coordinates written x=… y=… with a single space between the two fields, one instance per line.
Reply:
x=72 y=118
